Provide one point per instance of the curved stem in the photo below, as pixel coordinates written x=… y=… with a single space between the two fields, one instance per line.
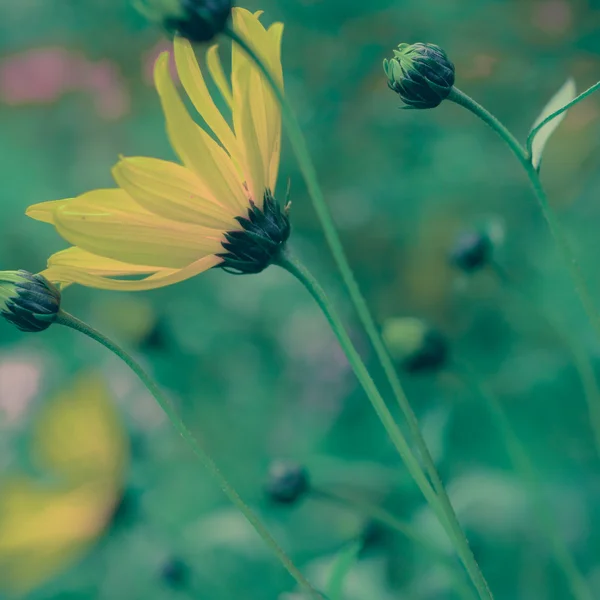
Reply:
x=333 y=241
x=556 y=230
x=522 y=463
x=447 y=517
x=581 y=359
x=68 y=320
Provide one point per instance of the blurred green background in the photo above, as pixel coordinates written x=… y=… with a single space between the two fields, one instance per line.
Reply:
x=99 y=498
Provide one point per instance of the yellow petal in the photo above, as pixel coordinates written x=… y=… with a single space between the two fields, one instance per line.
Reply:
x=216 y=70
x=78 y=258
x=172 y=191
x=161 y=279
x=44 y=211
x=194 y=146
x=264 y=111
x=109 y=223
x=195 y=87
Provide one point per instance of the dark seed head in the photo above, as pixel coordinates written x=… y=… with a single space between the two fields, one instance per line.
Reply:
x=287 y=482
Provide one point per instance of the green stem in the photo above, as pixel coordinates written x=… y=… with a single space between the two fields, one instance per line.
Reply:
x=581 y=358
x=333 y=241
x=68 y=320
x=524 y=466
x=447 y=517
x=380 y=515
x=556 y=230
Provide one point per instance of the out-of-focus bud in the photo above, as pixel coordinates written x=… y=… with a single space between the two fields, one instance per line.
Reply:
x=415 y=345
x=421 y=74
x=472 y=251
x=287 y=482
x=196 y=20
x=30 y=302
x=175 y=573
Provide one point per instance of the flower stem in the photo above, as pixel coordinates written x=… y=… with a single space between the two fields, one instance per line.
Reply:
x=68 y=320
x=445 y=513
x=522 y=463
x=556 y=230
x=366 y=319
x=381 y=515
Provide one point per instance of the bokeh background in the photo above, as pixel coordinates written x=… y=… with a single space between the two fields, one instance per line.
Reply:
x=99 y=498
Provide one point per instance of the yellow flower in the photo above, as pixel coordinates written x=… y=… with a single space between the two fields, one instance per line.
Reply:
x=167 y=222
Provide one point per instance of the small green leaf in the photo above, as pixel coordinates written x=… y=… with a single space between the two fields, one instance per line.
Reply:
x=342 y=564
x=550 y=118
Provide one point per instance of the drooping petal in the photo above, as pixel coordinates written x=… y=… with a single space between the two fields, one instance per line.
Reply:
x=109 y=223
x=216 y=70
x=193 y=82
x=194 y=146
x=44 y=211
x=66 y=275
x=80 y=259
x=172 y=191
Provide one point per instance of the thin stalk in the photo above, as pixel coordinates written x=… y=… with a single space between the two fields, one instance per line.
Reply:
x=522 y=463
x=384 y=517
x=556 y=230
x=452 y=527
x=581 y=358
x=366 y=319
x=68 y=320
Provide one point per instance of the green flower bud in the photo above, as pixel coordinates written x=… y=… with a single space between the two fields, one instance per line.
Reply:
x=421 y=74
x=472 y=251
x=196 y=20
x=287 y=482
x=30 y=302
x=415 y=345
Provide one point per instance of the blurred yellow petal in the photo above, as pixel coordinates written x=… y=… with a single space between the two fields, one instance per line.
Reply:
x=79 y=434
x=193 y=82
x=216 y=70
x=160 y=279
x=44 y=211
x=172 y=191
x=109 y=223
x=194 y=146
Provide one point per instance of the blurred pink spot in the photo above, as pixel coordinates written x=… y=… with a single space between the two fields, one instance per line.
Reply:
x=150 y=57
x=19 y=383
x=44 y=75
x=553 y=16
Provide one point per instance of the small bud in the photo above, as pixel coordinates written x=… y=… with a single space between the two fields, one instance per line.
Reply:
x=287 y=482
x=472 y=251
x=415 y=345
x=175 y=573
x=263 y=236
x=30 y=302
x=421 y=74
x=196 y=20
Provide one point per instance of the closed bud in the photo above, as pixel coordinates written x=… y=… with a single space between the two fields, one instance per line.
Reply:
x=421 y=74
x=195 y=20
x=30 y=302
x=287 y=482
x=414 y=345
x=472 y=251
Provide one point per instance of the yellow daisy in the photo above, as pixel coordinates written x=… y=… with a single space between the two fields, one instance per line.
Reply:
x=167 y=222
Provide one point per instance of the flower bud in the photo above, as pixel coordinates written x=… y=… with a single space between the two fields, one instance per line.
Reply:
x=196 y=20
x=472 y=251
x=287 y=482
x=415 y=345
x=421 y=74
x=30 y=302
